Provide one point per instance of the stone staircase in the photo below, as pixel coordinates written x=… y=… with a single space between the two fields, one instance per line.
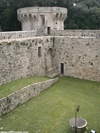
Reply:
x=51 y=73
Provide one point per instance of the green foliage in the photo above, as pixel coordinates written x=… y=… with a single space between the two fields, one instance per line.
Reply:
x=85 y=15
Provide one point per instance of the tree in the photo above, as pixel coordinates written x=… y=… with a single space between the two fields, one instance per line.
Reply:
x=85 y=15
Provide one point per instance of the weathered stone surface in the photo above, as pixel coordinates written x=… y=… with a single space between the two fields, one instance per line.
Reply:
x=83 y=33
x=16 y=34
x=7 y=104
x=80 y=56
x=19 y=59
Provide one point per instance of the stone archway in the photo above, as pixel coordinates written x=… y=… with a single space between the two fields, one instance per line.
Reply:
x=49 y=63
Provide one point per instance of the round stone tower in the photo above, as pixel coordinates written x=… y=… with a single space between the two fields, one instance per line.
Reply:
x=42 y=18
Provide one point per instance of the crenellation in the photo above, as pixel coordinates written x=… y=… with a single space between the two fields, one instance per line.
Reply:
x=42 y=17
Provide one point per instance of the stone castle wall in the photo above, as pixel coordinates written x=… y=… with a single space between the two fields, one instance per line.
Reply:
x=7 y=104
x=80 y=56
x=19 y=59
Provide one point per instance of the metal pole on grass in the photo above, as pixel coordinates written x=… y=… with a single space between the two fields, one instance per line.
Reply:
x=77 y=109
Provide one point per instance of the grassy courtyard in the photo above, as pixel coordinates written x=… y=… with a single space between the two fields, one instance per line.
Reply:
x=51 y=111
x=15 y=85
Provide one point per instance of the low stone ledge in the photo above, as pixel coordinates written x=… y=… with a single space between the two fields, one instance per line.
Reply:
x=7 y=104
x=16 y=34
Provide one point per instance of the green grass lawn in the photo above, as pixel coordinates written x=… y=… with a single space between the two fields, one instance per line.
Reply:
x=51 y=111
x=13 y=86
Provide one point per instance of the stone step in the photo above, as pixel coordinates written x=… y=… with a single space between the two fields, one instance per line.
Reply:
x=52 y=75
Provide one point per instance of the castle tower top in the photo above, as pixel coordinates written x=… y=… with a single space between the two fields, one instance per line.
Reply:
x=42 y=10
x=34 y=18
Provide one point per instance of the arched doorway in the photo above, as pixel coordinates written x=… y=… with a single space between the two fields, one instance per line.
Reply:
x=49 y=64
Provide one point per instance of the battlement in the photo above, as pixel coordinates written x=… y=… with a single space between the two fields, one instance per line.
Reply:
x=42 y=18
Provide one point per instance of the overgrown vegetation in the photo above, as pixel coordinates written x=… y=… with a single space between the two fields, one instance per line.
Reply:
x=51 y=111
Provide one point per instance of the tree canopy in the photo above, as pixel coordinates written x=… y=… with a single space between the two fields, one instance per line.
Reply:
x=82 y=14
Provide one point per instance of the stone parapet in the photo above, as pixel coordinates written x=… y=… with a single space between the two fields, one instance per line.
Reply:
x=26 y=34
x=92 y=33
x=16 y=35
x=7 y=104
